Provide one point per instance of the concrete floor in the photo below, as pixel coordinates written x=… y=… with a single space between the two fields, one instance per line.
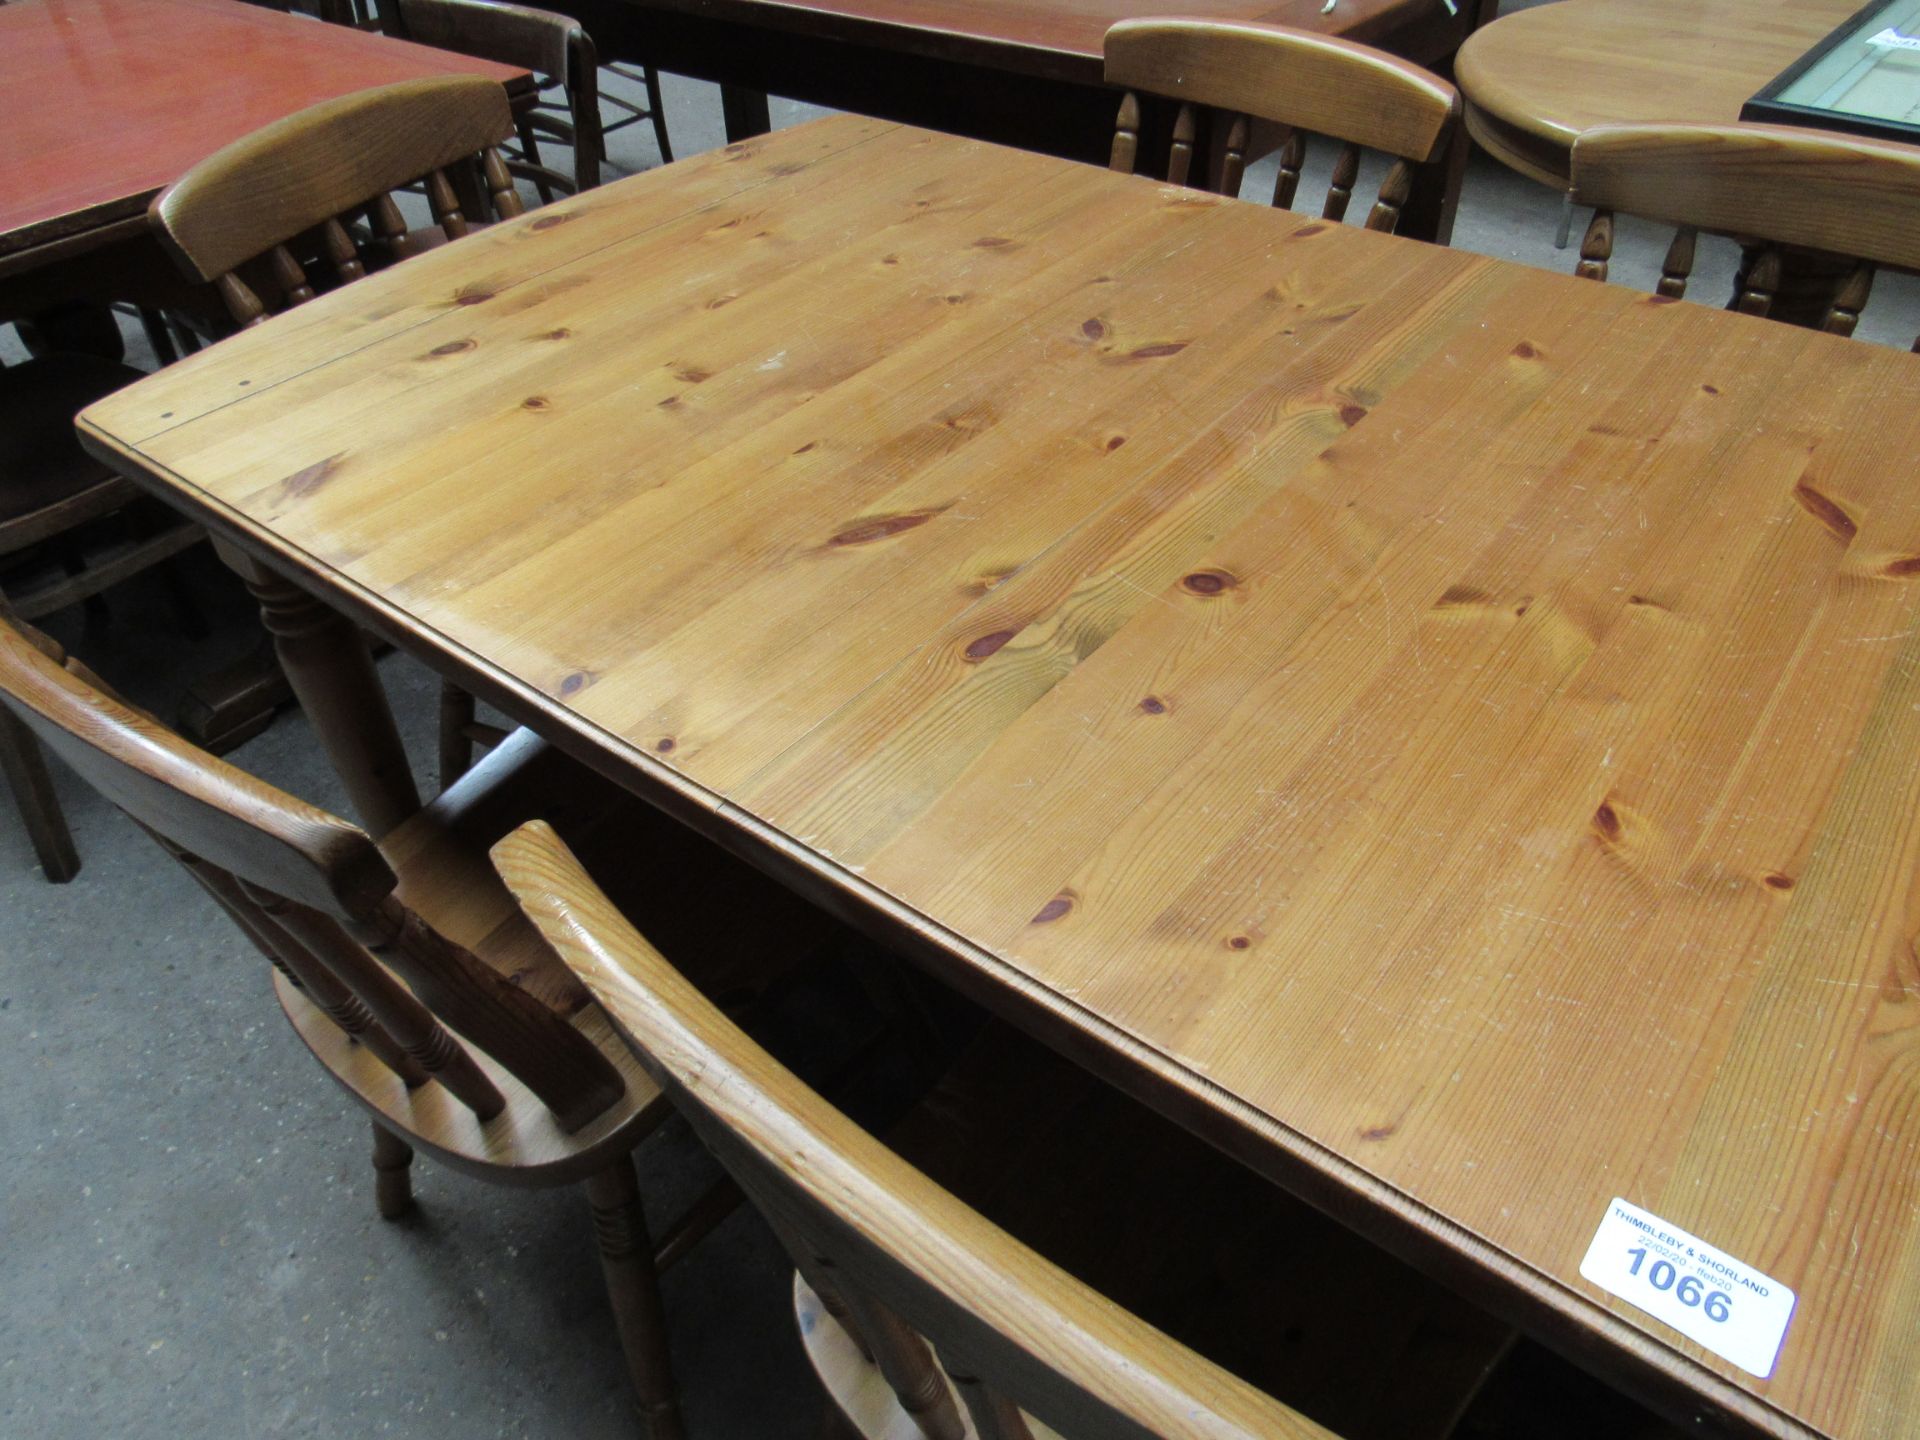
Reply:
x=188 y=1245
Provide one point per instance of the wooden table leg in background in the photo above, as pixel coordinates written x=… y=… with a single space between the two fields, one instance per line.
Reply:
x=326 y=661
x=744 y=112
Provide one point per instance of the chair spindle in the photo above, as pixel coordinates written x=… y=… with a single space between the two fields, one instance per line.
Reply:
x=300 y=965
x=1849 y=300
x=1596 y=247
x=1180 y=157
x=1394 y=190
x=506 y=199
x=1233 y=167
x=445 y=204
x=1678 y=266
x=1759 y=282
x=342 y=254
x=907 y=1363
x=242 y=304
x=404 y=1017
x=1126 y=135
x=1293 y=154
x=289 y=276
x=389 y=226
x=994 y=1416
x=1346 y=170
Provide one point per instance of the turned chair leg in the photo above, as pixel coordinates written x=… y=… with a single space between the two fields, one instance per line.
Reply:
x=392 y=1181
x=26 y=772
x=633 y=1285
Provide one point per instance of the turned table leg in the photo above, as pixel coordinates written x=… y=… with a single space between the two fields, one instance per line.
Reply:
x=327 y=664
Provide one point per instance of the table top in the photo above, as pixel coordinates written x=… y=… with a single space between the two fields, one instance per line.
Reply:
x=1059 y=39
x=1535 y=79
x=1455 y=727
x=108 y=101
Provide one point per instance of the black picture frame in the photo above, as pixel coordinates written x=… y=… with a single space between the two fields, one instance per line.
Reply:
x=1767 y=107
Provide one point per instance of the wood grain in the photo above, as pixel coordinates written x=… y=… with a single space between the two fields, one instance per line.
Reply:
x=1442 y=728
x=108 y=100
x=1537 y=78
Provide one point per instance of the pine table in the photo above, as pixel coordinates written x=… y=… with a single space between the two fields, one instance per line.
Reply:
x=1445 y=731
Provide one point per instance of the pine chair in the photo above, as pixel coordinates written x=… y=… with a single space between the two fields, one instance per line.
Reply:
x=407 y=972
x=238 y=219
x=1782 y=192
x=890 y=1257
x=1305 y=83
x=235 y=219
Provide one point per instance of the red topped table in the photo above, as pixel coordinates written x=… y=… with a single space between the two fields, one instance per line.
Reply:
x=109 y=100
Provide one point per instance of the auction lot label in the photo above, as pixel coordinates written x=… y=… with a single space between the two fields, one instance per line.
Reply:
x=1703 y=1292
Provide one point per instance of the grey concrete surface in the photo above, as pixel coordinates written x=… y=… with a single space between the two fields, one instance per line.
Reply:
x=188 y=1244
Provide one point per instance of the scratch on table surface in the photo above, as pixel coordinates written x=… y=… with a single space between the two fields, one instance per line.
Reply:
x=1879 y=639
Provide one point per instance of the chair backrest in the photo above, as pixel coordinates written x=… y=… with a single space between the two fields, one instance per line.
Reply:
x=312 y=892
x=318 y=171
x=1309 y=84
x=552 y=46
x=900 y=1259
x=1771 y=185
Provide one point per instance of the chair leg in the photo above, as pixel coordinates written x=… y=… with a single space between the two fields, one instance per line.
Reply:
x=392 y=1182
x=155 y=325
x=659 y=110
x=26 y=772
x=633 y=1286
x=456 y=717
x=530 y=147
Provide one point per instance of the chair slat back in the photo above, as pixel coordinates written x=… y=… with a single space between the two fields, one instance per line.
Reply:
x=886 y=1248
x=1768 y=184
x=1309 y=84
x=254 y=203
x=312 y=892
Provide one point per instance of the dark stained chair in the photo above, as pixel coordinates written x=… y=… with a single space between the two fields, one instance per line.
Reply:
x=69 y=529
x=1307 y=84
x=557 y=52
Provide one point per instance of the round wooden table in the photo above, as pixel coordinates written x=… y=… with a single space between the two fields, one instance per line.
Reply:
x=1535 y=79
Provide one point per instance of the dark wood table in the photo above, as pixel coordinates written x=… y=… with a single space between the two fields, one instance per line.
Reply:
x=107 y=101
x=1019 y=72
x=1447 y=732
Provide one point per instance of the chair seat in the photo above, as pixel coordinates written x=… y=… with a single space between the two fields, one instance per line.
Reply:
x=47 y=481
x=725 y=926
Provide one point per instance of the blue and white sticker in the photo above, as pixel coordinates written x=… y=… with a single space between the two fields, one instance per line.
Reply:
x=1701 y=1291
